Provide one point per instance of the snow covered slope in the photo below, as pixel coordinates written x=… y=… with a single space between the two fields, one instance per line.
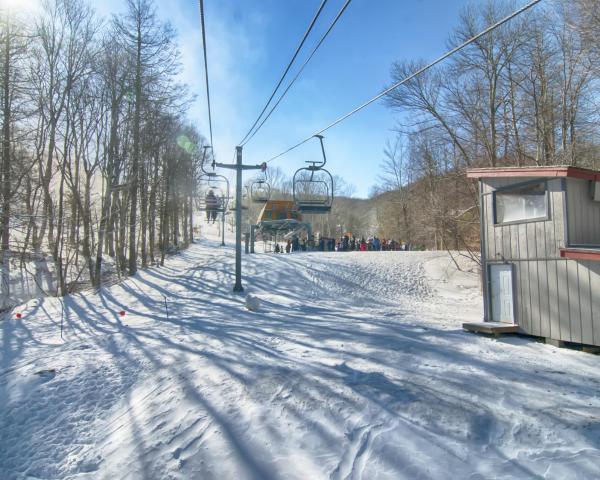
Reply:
x=354 y=366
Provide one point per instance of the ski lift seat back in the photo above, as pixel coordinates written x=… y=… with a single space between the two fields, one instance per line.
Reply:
x=260 y=191
x=313 y=186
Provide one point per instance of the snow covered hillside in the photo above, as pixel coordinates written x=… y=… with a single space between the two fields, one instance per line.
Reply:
x=353 y=366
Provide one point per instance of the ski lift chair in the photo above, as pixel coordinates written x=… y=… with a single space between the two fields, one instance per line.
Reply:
x=220 y=187
x=313 y=186
x=260 y=191
x=212 y=181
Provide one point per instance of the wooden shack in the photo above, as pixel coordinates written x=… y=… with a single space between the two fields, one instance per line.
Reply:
x=540 y=250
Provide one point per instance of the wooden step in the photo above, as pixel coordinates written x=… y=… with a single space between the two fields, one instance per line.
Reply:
x=493 y=328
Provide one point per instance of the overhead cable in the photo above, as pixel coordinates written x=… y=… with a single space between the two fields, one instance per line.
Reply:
x=310 y=27
x=319 y=43
x=410 y=77
x=201 y=2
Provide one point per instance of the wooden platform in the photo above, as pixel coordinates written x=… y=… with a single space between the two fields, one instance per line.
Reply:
x=493 y=328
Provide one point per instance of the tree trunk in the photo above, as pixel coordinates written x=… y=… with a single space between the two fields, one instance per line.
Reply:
x=144 y=215
x=135 y=164
x=6 y=167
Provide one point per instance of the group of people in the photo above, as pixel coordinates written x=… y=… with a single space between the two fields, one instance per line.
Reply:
x=371 y=244
x=293 y=245
x=343 y=244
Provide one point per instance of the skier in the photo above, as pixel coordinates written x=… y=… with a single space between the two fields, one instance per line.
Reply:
x=288 y=246
x=212 y=205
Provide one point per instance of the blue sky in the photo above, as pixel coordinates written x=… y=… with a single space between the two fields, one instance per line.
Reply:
x=260 y=36
x=251 y=41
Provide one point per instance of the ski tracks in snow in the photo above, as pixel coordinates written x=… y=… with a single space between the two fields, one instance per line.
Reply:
x=358 y=452
x=354 y=369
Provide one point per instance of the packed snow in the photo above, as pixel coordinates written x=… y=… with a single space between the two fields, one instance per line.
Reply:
x=331 y=365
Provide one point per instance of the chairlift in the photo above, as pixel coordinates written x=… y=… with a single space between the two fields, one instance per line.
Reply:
x=313 y=186
x=260 y=191
x=214 y=190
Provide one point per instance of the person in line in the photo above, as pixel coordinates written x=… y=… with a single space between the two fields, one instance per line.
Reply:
x=288 y=246
x=277 y=249
x=345 y=243
x=363 y=245
x=376 y=244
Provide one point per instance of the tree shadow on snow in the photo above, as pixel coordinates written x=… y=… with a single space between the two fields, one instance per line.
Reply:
x=417 y=383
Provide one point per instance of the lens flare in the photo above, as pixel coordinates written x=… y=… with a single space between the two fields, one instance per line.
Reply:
x=185 y=143
x=17 y=6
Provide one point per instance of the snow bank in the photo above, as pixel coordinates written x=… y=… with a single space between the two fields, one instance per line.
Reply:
x=356 y=367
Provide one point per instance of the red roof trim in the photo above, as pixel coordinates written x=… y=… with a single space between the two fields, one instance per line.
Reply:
x=541 y=172
x=579 y=254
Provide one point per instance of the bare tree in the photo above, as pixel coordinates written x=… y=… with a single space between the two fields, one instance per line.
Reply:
x=150 y=43
x=12 y=53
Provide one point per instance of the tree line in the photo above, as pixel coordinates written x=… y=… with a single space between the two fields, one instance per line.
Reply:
x=525 y=94
x=98 y=160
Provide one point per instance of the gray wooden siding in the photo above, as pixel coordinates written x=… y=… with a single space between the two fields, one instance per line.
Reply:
x=594 y=270
x=583 y=214
x=523 y=241
x=559 y=299
x=555 y=297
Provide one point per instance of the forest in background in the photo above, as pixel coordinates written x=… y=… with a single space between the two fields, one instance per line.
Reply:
x=526 y=94
x=100 y=164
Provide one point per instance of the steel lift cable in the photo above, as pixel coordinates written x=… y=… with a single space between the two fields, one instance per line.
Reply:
x=310 y=27
x=201 y=2
x=318 y=45
x=410 y=77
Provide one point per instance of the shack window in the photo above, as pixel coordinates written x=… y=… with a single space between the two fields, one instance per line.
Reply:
x=524 y=203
